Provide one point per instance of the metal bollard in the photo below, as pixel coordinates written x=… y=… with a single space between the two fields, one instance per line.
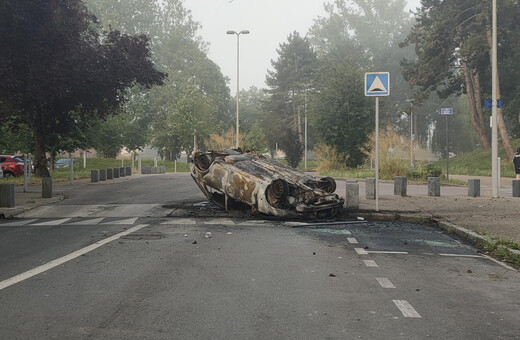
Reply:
x=516 y=188
x=47 y=187
x=110 y=173
x=434 y=186
x=352 y=195
x=94 y=176
x=370 y=188
x=102 y=175
x=7 y=195
x=473 y=187
x=400 y=184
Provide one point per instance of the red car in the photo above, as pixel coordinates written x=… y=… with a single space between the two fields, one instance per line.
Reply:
x=11 y=165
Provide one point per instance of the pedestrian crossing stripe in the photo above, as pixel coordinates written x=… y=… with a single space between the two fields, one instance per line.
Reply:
x=90 y=221
x=125 y=221
x=53 y=222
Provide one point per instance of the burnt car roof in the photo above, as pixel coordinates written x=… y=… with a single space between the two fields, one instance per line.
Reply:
x=263 y=185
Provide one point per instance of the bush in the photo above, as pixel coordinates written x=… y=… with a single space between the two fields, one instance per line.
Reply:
x=391 y=167
x=423 y=172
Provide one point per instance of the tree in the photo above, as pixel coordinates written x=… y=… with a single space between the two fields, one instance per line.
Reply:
x=452 y=40
x=341 y=114
x=55 y=62
x=292 y=77
x=370 y=31
x=191 y=115
x=176 y=49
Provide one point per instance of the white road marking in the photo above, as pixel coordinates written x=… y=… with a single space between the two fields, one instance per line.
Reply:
x=352 y=240
x=461 y=255
x=387 y=252
x=370 y=263
x=407 y=309
x=224 y=221
x=18 y=223
x=54 y=263
x=253 y=222
x=91 y=221
x=500 y=263
x=384 y=282
x=180 y=221
x=361 y=251
x=53 y=222
x=125 y=221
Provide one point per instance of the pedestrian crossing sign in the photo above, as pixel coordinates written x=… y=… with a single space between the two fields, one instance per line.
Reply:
x=377 y=84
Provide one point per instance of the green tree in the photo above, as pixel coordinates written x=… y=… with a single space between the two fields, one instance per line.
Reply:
x=288 y=83
x=452 y=40
x=59 y=72
x=176 y=49
x=341 y=115
x=370 y=30
x=192 y=114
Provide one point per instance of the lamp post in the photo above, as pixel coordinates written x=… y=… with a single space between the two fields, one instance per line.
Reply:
x=494 y=125
x=238 y=75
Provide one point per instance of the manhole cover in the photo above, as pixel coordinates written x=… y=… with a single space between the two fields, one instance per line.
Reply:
x=146 y=237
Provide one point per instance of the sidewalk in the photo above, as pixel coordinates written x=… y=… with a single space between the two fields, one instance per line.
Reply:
x=33 y=197
x=495 y=218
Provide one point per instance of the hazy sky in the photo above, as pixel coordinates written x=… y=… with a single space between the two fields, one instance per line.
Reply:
x=269 y=21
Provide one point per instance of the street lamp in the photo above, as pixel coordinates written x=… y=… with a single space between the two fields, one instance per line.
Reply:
x=238 y=73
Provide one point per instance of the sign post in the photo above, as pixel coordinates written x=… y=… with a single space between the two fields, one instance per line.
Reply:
x=377 y=84
x=447 y=112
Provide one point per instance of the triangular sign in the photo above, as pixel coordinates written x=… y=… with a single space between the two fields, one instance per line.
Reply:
x=377 y=86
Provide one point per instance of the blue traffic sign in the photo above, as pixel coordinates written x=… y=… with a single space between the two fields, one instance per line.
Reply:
x=377 y=84
x=488 y=103
x=446 y=111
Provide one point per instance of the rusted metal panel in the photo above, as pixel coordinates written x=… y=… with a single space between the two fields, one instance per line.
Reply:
x=264 y=185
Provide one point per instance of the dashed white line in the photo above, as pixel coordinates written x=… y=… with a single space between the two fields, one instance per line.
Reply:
x=384 y=282
x=352 y=240
x=361 y=251
x=407 y=309
x=43 y=268
x=370 y=263
x=125 y=221
x=387 y=252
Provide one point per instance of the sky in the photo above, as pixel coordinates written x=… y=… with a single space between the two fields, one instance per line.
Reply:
x=269 y=21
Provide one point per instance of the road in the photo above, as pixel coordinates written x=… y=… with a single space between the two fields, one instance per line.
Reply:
x=143 y=260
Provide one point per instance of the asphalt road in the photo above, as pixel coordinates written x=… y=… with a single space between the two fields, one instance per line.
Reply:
x=111 y=262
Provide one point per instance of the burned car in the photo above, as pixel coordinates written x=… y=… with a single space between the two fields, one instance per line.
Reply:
x=265 y=186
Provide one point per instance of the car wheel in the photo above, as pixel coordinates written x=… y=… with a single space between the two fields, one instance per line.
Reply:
x=8 y=174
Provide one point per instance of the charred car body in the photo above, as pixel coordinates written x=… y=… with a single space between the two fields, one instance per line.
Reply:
x=264 y=185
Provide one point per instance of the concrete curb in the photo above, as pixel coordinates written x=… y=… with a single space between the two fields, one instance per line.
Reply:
x=12 y=212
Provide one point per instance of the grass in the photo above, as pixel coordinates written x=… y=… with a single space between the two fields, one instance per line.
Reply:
x=478 y=163
x=63 y=174
x=501 y=251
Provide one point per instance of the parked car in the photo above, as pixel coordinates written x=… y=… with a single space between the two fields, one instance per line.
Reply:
x=11 y=165
x=63 y=162
x=263 y=185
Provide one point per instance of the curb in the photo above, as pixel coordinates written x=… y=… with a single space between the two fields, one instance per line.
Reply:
x=11 y=212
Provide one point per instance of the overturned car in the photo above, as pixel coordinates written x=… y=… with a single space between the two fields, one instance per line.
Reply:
x=265 y=186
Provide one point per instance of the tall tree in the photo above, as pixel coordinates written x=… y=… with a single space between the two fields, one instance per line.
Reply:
x=341 y=114
x=452 y=40
x=370 y=30
x=288 y=83
x=55 y=62
x=176 y=49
